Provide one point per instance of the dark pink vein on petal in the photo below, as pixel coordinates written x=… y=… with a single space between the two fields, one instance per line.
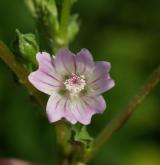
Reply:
x=90 y=105
x=65 y=65
x=58 y=103
x=66 y=104
x=94 y=81
x=50 y=75
x=48 y=83
x=74 y=63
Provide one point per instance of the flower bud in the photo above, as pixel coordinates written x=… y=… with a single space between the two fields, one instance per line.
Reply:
x=27 y=46
x=45 y=13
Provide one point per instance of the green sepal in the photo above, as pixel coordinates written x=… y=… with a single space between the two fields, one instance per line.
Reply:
x=80 y=134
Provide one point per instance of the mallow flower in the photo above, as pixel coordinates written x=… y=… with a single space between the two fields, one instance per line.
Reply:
x=74 y=83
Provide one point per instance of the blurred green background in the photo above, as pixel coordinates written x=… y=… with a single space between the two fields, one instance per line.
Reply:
x=126 y=33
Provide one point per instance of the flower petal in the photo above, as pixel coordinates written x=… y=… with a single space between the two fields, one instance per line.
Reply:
x=68 y=113
x=83 y=115
x=59 y=107
x=55 y=108
x=97 y=103
x=44 y=82
x=45 y=78
x=65 y=62
x=45 y=61
x=99 y=86
x=101 y=69
x=99 y=81
x=84 y=62
x=83 y=109
x=47 y=64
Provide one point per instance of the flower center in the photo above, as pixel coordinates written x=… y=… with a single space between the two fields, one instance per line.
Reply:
x=75 y=84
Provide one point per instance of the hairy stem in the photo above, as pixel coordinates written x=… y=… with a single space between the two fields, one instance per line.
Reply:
x=64 y=22
x=7 y=56
x=22 y=74
x=118 y=121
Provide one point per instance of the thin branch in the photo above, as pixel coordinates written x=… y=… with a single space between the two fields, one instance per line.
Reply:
x=118 y=121
x=64 y=21
x=19 y=70
x=7 y=56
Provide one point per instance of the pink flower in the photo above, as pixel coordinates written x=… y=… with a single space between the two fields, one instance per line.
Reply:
x=13 y=161
x=75 y=84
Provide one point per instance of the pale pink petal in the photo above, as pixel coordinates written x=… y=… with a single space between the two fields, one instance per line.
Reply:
x=97 y=103
x=59 y=107
x=45 y=61
x=70 y=117
x=68 y=113
x=45 y=78
x=44 y=82
x=81 y=113
x=47 y=64
x=84 y=62
x=84 y=108
x=99 y=81
x=100 y=86
x=101 y=70
x=65 y=62
x=55 y=107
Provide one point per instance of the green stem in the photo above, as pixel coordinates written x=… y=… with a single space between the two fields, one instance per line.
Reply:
x=7 y=56
x=118 y=121
x=62 y=40
x=63 y=137
x=22 y=74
